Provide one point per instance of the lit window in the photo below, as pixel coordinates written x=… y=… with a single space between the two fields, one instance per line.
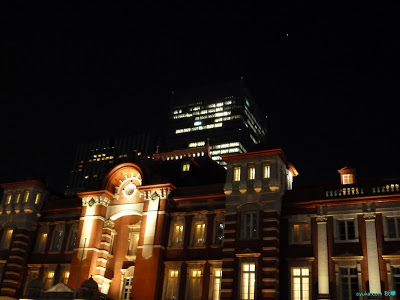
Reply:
x=49 y=279
x=348 y=283
x=111 y=247
x=248 y=281
x=65 y=277
x=249 y=225
x=133 y=241
x=186 y=167
x=18 y=197
x=177 y=234
x=300 y=233
x=252 y=173
x=216 y=284
x=195 y=286
x=393 y=225
x=8 y=200
x=267 y=171
x=58 y=236
x=346 y=230
x=172 y=284
x=6 y=239
x=236 y=174
x=41 y=245
x=26 y=196
x=300 y=283
x=347 y=178
x=38 y=196
x=199 y=233
x=87 y=176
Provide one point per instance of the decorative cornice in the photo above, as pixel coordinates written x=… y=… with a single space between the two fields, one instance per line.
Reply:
x=369 y=215
x=322 y=218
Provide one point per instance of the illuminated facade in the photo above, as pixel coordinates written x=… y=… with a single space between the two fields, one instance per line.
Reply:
x=223 y=116
x=181 y=226
x=94 y=159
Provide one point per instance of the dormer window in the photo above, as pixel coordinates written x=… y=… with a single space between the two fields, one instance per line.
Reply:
x=347 y=175
x=347 y=178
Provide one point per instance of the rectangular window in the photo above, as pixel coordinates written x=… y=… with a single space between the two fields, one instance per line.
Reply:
x=300 y=284
x=393 y=224
x=248 y=277
x=26 y=196
x=219 y=233
x=41 y=246
x=8 y=200
x=177 y=235
x=252 y=173
x=73 y=236
x=346 y=230
x=7 y=236
x=49 y=279
x=186 y=167
x=267 y=171
x=236 y=174
x=199 y=234
x=300 y=233
x=133 y=242
x=396 y=279
x=172 y=288
x=195 y=286
x=38 y=196
x=348 y=283
x=216 y=284
x=347 y=178
x=18 y=197
x=58 y=236
x=127 y=288
x=249 y=225
x=111 y=247
x=65 y=277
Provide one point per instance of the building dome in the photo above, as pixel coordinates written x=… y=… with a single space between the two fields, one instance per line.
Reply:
x=90 y=284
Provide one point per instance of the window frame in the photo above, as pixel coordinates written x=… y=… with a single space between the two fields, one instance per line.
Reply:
x=249 y=235
x=266 y=171
x=396 y=219
x=302 y=277
x=215 y=267
x=176 y=267
x=58 y=228
x=217 y=242
x=348 y=263
x=6 y=238
x=196 y=221
x=242 y=262
x=177 y=221
x=345 y=219
x=236 y=173
x=197 y=267
x=307 y=235
x=251 y=172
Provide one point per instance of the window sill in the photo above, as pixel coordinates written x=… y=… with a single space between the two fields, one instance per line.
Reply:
x=346 y=241
x=300 y=243
x=175 y=248
x=197 y=247
x=53 y=252
x=388 y=239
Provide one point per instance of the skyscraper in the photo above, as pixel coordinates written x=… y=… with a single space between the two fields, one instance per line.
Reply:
x=95 y=158
x=223 y=116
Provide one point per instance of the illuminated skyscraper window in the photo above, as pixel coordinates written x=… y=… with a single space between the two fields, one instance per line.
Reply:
x=225 y=115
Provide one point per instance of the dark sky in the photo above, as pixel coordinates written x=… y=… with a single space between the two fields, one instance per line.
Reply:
x=326 y=76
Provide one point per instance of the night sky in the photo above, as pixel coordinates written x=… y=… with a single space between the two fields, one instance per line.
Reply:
x=326 y=77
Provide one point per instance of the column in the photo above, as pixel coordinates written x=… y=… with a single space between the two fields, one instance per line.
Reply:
x=323 y=270
x=372 y=253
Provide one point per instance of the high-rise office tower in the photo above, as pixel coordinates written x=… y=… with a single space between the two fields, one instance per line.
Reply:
x=223 y=116
x=95 y=158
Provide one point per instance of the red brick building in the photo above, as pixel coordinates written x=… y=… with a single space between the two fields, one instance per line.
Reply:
x=180 y=226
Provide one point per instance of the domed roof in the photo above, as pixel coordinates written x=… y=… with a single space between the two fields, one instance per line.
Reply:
x=90 y=284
